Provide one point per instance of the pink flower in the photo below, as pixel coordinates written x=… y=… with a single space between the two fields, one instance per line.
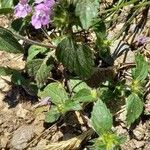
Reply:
x=41 y=16
x=22 y=9
x=141 y=40
x=48 y=3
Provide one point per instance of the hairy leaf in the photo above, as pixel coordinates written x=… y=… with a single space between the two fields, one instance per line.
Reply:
x=77 y=58
x=100 y=30
x=34 y=50
x=87 y=10
x=134 y=108
x=141 y=70
x=6 y=3
x=84 y=95
x=40 y=69
x=101 y=118
x=52 y=115
x=8 y=43
x=56 y=92
x=17 y=25
x=77 y=85
x=71 y=105
x=33 y=66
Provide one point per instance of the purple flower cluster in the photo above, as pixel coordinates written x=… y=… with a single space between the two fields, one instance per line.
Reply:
x=22 y=9
x=141 y=40
x=41 y=13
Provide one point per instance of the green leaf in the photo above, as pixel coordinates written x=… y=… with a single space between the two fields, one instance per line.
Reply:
x=141 y=70
x=6 y=3
x=105 y=94
x=5 y=11
x=77 y=58
x=108 y=141
x=34 y=50
x=61 y=18
x=6 y=6
x=8 y=43
x=71 y=105
x=84 y=95
x=33 y=66
x=17 y=24
x=56 y=92
x=5 y=71
x=42 y=74
x=102 y=45
x=76 y=85
x=52 y=115
x=18 y=79
x=87 y=11
x=134 y=107
x=100 y=30
x=101 y=118
x=40 y=69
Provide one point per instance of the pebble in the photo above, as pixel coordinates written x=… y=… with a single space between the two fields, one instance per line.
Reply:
x=139 y=132
x=22 y=136
x=4 y=140
x=138 y=144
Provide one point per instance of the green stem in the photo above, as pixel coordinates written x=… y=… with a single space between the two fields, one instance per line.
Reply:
x=34 y=42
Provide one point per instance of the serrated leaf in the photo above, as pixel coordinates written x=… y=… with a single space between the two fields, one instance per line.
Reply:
x=101 y=118
x=84 y=95
x=134 y=107
x=42 y=74
x=56 y=92
x=100 y=30
x=40 y=69
x=76 y=85
x=77 y=58
x=52 y=115
x=141 y=70
x=33 y=66
x=105 y=94
x=6 y=3
x=8 y=42
x=87 y=10
x=71 y=105
x=34 y=50
x=5 y=71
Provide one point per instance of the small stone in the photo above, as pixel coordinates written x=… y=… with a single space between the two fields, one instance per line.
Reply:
x=147 y=146
x=121 y=130
x=22 y=136
x=139 y=144
x=4 y=140
x=21 y=112
x=39 y=127
x=139 y=133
